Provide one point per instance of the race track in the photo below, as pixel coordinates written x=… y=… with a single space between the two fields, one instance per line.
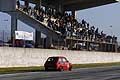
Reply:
x=108 y=73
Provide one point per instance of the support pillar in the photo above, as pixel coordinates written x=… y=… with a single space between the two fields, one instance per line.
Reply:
x=13 y=26
x=73 y=13
x=40 y=3
x=116 y=47
x=59 y=7
x=37 y=38
x=7 y=5
x=48 y=42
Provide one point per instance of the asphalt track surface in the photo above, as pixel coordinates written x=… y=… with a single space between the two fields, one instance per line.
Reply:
x=107 y=73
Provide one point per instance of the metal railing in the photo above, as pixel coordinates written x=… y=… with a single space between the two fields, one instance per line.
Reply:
x=66 y=44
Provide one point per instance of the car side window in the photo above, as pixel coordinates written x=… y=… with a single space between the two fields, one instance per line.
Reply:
x=64 y=59
x=50 y=59
x=60 y=60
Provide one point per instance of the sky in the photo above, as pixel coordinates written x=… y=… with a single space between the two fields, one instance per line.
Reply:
x=102 y=17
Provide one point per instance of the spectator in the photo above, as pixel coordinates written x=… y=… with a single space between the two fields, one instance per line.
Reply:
x=83 y=23
x=66 y=24
x=18 y=4
x=96 y=34
x=26 y=6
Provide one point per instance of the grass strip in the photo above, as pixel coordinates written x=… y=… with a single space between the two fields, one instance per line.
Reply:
x=20 y=69
x=96 y=65
x=41 y=68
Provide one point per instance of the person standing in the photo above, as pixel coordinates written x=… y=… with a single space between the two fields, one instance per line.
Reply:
x=18 y=4
x=26 y=5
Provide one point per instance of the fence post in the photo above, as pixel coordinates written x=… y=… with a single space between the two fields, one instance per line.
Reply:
x=3 y=38
x=116 y=47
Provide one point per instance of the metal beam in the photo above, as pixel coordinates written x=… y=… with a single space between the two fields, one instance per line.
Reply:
x=86 y=5
x=76 y=4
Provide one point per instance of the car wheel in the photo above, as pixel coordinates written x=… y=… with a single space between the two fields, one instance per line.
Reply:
x=46 y=69
x=70 y=69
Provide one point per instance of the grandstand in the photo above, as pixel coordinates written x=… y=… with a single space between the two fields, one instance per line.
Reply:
x=63 y=31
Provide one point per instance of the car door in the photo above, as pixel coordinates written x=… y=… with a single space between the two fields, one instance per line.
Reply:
x=60 y=63
x=65 y=63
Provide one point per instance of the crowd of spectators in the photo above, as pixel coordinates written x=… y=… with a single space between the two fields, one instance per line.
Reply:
x=66 y=24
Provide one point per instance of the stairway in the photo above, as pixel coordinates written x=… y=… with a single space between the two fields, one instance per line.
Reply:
x=36 y=24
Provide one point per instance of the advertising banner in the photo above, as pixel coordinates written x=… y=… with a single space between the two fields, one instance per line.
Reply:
x=23 y=35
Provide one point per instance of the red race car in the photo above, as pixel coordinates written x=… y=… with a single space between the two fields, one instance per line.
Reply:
x=58 y=63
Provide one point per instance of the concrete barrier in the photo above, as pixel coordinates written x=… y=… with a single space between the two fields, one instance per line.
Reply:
x=25 y=57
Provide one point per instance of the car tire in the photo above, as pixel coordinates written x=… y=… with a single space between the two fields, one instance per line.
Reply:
x=70 y=69
x=46 y=69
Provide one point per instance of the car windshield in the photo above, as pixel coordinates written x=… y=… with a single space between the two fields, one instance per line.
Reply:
x=52 y=59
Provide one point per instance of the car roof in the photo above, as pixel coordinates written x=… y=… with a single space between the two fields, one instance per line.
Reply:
x=57 y=57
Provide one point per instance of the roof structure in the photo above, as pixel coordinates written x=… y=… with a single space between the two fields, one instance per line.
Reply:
x=75 y=4
x=84 y=4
